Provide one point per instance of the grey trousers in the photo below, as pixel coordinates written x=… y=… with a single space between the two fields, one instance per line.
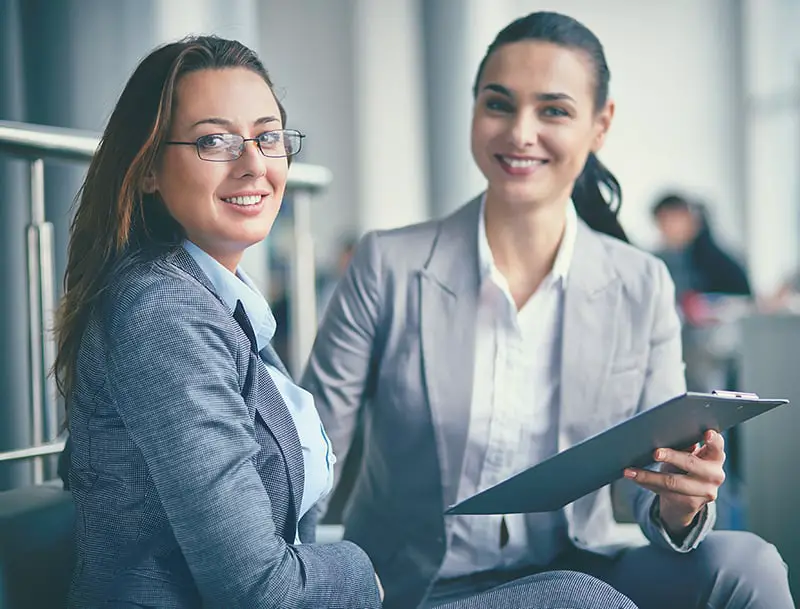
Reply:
x=550 y=590
x=729 y=570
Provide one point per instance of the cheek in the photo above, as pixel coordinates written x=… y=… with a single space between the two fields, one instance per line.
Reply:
x=190 y=179
x=569 y=148
x=277 y=174
x=481 y=137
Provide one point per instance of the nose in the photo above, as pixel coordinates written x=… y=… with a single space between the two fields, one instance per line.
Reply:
x=524 y=130
x=252 y=162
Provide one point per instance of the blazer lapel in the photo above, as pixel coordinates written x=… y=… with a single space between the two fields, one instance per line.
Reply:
x=449 y=286
x=591 y=303
x=269 y=402
x=273 y=410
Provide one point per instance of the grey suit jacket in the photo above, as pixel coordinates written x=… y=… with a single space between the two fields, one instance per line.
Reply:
x=398 y=341
x=186 y=468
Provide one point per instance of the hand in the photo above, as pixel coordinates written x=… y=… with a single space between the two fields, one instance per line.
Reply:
x=380 y=586
x=686 y=482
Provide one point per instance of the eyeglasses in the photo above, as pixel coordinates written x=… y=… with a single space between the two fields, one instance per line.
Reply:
x=221 y=147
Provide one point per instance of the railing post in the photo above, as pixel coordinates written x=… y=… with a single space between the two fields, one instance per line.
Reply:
x=41 y=302
x=303 y=299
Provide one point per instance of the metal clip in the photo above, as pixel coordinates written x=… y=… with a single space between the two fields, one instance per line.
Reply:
x=743 y=395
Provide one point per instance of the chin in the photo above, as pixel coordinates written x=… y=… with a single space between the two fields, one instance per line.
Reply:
x=521 y=194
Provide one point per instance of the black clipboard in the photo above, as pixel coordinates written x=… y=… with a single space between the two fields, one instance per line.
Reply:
x=601 y=459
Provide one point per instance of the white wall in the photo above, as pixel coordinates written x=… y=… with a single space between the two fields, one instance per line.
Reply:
x=673 y=67
x=772 y=144
x=351 y=71
x=307 y=46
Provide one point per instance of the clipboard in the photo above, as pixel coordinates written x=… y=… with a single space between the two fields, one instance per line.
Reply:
x=601 y=459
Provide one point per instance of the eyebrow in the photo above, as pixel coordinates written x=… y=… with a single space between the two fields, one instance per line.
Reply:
x=494 y=87
x=224 y=122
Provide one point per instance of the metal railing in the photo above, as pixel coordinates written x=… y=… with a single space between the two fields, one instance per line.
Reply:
x=37 y=143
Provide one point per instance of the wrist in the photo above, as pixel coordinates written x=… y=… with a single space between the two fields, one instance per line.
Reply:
x=677 y=524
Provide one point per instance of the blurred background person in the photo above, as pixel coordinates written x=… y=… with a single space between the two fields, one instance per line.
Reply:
x=696 y=261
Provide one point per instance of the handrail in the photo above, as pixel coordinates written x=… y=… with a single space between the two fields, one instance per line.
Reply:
x=36 y=143
x=43 y=450
x=39 y=141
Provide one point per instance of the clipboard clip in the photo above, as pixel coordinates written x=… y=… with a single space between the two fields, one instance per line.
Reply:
x=742 y=395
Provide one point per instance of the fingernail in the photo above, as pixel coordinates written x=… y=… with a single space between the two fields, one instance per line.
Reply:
x=629 y=473
x=659 y=455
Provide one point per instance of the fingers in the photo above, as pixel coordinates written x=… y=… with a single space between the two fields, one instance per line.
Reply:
x=694 y=464
x=714 y=447
x=675 y=483
x=696 y=473
x=713 y=450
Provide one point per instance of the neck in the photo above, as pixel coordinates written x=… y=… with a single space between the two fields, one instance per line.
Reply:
x=524 y=241
x=230 y=259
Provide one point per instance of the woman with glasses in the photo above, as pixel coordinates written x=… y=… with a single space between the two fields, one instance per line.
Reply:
x=196 y=463
x=480 y=344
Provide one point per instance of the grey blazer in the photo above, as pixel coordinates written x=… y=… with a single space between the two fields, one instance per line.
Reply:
x=186 y=468
x=398 y=342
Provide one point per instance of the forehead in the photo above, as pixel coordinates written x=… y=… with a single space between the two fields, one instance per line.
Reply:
x=669 y=213
x=540 y=67
x=236 y=94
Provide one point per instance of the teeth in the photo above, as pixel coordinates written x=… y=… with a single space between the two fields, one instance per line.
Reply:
x=244 y=201
x=511 y=162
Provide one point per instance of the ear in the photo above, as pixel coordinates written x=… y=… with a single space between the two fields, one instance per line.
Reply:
x=149 y=185
x=602 y=123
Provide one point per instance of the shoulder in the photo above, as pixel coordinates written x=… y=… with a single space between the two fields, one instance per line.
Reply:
x=148 y=288
x=643 y=275
x=408 y=243
x=411 y=247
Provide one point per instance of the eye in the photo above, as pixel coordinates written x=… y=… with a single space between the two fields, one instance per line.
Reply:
x=214 y=141
x=554 y=112
x=270 y=138
x=497 y=104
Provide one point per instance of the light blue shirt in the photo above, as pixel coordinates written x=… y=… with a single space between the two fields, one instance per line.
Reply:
x=318 y=457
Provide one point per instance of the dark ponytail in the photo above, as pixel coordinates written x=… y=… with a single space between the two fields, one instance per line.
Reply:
x=597 y=209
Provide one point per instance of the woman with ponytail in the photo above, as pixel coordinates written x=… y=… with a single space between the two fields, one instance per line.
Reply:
x=478 y=345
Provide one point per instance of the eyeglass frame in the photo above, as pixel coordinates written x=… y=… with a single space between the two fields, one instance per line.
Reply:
x=196 y=144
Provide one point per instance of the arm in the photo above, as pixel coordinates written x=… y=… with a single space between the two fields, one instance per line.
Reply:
x=173 y=375
x=664 y=380
x=307 y=527
x=343 y=357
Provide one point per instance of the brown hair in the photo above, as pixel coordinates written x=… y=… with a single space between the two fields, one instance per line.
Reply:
x=113 y=214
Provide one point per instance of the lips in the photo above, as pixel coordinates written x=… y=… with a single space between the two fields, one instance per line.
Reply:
x=520 y=166
x=244 y=200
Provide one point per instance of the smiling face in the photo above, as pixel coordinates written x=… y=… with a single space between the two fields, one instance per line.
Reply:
x=224 y=207
x=535 y=122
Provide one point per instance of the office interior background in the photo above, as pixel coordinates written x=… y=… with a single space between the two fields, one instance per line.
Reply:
x=707 y=105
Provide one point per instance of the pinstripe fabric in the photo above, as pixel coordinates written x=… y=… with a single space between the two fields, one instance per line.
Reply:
x=186 y=469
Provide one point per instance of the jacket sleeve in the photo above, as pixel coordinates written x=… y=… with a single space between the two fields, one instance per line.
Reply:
x=665 y=378
x=344 y=354
x=172 y=373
